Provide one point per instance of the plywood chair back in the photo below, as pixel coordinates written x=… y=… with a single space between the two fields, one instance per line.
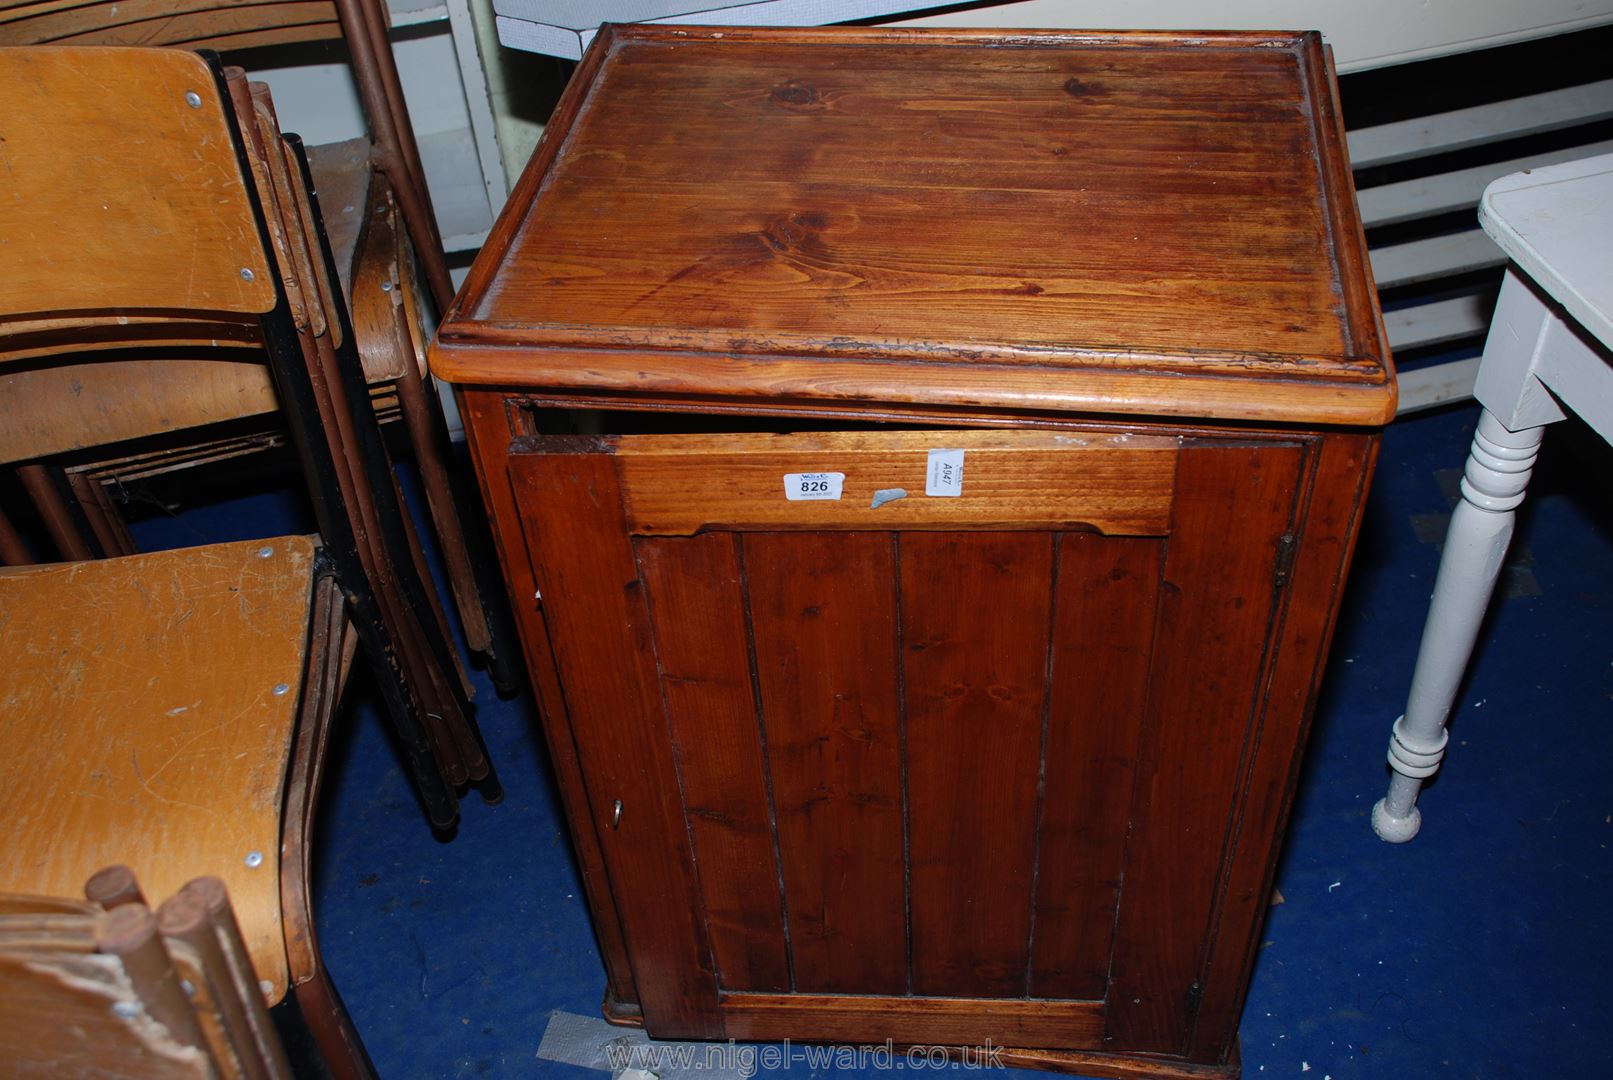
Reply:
x=151 y=256
x=213 y=24
x=121 y=207
x=234 y=24
x=157 y=375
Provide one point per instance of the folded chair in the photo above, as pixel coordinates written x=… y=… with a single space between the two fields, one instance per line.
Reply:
x=160 y=206
x=167 y=715
x=377 y=264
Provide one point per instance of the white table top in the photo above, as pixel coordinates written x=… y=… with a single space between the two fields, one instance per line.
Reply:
x=1556 y=223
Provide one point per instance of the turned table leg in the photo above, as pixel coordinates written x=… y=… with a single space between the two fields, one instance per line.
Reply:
x=1493 y=487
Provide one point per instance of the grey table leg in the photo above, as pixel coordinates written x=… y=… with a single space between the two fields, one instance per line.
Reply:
x=1493 y=487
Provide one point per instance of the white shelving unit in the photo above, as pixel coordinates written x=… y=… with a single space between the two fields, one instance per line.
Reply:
x=440 y=66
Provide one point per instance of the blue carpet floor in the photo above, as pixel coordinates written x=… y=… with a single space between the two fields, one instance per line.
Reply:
x=1481 y=949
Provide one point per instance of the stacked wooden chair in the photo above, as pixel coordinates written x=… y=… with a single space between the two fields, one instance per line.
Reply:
x=115 y=989
x=168 y=714
x=154 y=209
x=225 y=25
x=383 y=233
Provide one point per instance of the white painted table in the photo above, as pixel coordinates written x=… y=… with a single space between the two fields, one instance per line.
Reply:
x=1549 y=353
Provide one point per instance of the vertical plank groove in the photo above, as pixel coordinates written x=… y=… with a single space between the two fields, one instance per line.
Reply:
x=702 y=889
x=1041 y=761
x=1157 y=619
x=1103 y=626
x=975 y=616
x=699 y=637
x=823 y=628
x=901 y=736
x=767 y=769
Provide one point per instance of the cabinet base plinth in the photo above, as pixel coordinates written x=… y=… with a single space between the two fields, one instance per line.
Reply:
x=1076 y=1062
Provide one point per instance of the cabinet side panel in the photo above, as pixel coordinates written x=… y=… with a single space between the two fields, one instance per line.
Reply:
x=974 y=614
x=1233 y=505
x=488 y=433
x=1326 y=539
x=595 y=607
x=699 y=625
x=823 y=616
x=1103 y=625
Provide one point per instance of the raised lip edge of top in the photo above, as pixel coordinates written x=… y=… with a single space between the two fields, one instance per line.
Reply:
x=1362 y=322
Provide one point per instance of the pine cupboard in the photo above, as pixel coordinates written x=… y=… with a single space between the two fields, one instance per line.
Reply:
x=925 y=466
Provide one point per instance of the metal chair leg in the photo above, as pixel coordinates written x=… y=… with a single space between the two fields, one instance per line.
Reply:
x=67 y=532
x=13 y=550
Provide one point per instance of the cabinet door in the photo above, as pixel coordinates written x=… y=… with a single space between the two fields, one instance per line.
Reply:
x=870 y=762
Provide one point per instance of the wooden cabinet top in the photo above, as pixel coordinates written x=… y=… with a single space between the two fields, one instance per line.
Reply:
x=1133 y=223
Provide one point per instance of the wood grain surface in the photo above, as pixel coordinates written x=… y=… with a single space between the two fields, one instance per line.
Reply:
x=487 y=433
x=1334 y=494
x=56 y=1018
x=1212 y=643
x=1015 y=211
x=196 y=24
x=1117 y=484
x=142 y=724
x=1012 y=765
x=1005 y=766
x=975 y=626
x=102 y=203
x=600 y=629
x=696 y=599
x=105 y=401
x=823 y=615
x=1106 y=603
x=947 y=1021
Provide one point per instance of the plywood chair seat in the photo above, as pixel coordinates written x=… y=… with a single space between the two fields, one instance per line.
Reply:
x=169 y=712
x=150 y=704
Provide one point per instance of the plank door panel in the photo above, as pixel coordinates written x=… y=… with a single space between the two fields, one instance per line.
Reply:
x=1233 y=508
x=894 y=767
x=1103 y=620
x=823 y=613
x=974 y=675
x=701 y=643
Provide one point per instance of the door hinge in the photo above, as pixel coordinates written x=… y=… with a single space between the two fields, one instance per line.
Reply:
x=1195 y=994
x=1286 y=548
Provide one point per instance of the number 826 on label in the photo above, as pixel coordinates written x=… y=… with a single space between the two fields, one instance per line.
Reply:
x=812 y=486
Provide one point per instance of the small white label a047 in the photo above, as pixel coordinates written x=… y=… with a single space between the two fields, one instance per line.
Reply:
x=811 y=486
x=944 y=474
